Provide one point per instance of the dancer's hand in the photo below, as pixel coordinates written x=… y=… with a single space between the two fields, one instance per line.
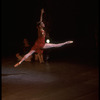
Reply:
x=17 y=64
x=42 y=10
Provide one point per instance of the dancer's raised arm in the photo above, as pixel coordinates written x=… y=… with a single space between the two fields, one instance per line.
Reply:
x=41 y=16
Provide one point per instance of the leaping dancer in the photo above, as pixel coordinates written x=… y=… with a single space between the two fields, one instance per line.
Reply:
x=40 y=42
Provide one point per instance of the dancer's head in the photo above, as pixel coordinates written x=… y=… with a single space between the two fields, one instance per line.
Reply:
x=40 y=25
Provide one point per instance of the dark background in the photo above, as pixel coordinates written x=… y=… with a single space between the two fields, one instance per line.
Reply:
x=65 y=20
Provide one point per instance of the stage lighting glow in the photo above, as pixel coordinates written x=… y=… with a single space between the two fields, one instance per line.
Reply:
x=47 y=41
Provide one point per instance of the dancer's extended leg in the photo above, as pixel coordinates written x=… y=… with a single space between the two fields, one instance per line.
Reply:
x=24 y=58
x=51 y=45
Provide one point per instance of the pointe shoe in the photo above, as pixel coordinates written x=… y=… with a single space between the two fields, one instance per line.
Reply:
x=69 y=42
x=16 y=64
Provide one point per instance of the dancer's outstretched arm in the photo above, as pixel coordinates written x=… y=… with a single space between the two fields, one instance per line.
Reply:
x=52 y=45
x=25 y=57
x=41 y=16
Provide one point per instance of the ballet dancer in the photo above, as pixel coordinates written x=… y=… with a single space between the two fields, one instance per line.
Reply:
x=40 y=43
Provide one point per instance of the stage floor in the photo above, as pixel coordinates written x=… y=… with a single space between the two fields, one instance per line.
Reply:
x=54 y=80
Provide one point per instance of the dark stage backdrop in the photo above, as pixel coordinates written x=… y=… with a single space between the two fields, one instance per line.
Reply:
x=65 y=20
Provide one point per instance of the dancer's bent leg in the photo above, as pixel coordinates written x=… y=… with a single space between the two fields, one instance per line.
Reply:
x=51 y=45
x=25 y=57
x=40 y=56
x=36 y=57
x=18 y=56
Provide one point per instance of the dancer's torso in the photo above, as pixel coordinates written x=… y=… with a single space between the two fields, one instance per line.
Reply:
x=40 y=42
x=41 y=37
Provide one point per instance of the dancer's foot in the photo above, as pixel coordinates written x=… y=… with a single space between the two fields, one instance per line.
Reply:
x=42 y=62
x=69 y=42
x=17 y=64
